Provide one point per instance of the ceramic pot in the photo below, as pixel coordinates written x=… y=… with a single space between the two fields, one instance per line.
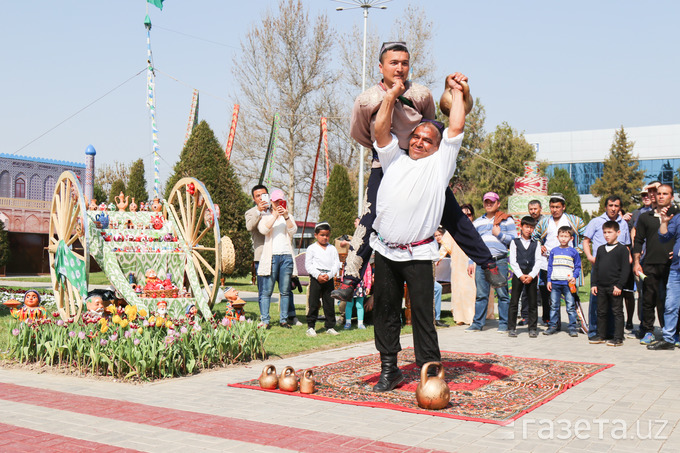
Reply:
x=288 y=382
x=307 y=384
x=268 y=379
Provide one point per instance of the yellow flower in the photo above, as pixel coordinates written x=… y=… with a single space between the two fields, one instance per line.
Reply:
x=111 y=309
x=116 y=319
x=142 y=313
x=159 y=322
x=103 y=321
x=131 y=312
x=124 y=323
x=152 y=321
x=140 y=331
x=105 y=327
x=169 y=325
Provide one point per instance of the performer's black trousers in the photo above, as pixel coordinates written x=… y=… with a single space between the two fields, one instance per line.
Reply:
x=653 y=295
x=606 y=302
x=531 y=293
x=321 y=291
x=453 y=220
x=390 y=277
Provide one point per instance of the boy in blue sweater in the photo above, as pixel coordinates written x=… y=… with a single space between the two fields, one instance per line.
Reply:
x=564 y=267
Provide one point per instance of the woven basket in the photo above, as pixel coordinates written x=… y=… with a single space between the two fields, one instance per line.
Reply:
x=228 y=255
x=160 y=293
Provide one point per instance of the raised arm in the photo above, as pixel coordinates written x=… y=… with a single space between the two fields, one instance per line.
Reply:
x=456 y=82
x=383 y=119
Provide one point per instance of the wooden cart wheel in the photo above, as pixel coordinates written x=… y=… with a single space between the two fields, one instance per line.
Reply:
x=68 y=222
x=194 y=210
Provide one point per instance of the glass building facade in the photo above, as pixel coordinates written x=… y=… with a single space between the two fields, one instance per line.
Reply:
x=584 y=174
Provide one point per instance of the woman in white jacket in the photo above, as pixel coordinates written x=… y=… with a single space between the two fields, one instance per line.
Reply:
x=276 y=262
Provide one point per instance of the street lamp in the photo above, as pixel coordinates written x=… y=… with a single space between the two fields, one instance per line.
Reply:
x=365 y=5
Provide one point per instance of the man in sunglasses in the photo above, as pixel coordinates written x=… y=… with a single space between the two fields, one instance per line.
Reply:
x=410 y=108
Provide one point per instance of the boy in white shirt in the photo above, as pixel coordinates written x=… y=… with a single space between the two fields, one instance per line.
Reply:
x=323 y=264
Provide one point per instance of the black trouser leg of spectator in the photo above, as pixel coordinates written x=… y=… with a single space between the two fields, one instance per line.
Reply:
x=466 y=236
x=360 y=249
x=545 y=296
x=653 y=296
x=328 y=303
x=532 y=294
x=524 y=306
x=629 y=299
x=518 y=288
x=314 y=301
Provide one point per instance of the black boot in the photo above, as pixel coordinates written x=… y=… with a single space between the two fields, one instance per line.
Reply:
x=390 y=374
x=346 y=290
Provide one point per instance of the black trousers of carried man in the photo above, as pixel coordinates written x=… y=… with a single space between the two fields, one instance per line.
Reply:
x=390 y=277
x=453 y=220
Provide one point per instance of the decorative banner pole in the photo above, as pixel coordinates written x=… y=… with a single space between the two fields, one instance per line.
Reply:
x=193 y=116
x=232 y=132
x=151 y=103
x=271 y=148
x=324 y=135
x=322 y=138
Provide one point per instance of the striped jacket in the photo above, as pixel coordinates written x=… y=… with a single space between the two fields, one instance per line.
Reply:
x=576 y=223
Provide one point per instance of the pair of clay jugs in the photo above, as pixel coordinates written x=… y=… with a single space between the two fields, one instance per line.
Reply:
x=288 y=381
x=433 y=391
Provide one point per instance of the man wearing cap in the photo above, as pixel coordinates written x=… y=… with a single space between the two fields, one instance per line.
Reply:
x=410 y=107
x=497 y=229
x=656 y=263
x=546 y=233
x=409 y=208
x=594 y=236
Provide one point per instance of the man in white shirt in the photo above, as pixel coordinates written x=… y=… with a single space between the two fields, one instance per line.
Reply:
x=409 y=208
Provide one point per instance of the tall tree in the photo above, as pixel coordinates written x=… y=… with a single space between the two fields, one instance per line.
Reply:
x=99 y=194
x=561 y=182
x=496 y=166
x=339 y=206
x=108 y=173
x=204 y=159
x=620 y=174
x=136 y=187
x=117 y=187
x=284 y=67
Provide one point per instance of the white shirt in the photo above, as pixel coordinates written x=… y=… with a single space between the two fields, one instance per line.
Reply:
x=538 y=258
x=410 y=199
x=551 y=240
x=280 y=243
x=319 y=261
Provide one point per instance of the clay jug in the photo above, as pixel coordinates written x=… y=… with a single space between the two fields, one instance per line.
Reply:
x=122 y=201
x=433 y=392
x=133 y=205
x=268 y=379
x=288 y=382
x=307 y=382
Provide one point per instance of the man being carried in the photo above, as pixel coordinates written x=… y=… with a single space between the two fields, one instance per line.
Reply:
x=414 y=104
x=409 y=208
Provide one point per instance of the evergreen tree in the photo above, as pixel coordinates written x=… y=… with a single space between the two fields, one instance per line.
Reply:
x=621 y=174
x=504 y=148
x=99 y=194
x=562 y=183
x=339 y=204
x=203 y=158
x=117 y=187
x=4 y=245
x=137 y=182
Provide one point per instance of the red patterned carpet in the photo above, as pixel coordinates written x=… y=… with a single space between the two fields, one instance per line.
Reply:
x=484 y=387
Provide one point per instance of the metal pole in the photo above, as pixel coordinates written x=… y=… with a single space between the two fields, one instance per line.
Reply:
x=362 y=154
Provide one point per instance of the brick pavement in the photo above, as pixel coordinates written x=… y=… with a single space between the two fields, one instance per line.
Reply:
x=629 y=407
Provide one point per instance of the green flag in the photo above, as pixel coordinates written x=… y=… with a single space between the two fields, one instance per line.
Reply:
x=158 y=3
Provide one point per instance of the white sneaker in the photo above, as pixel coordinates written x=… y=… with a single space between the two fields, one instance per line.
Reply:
x=361 y=326
x=332 y=331
x=311 y=332
x=295 y=322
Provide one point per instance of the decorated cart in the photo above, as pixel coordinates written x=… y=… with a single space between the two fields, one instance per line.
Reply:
x=148 y=256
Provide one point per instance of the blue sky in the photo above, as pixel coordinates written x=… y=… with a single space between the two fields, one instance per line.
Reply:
x=540 y=66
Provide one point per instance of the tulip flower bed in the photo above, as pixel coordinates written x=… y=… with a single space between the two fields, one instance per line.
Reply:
x=130 y=345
